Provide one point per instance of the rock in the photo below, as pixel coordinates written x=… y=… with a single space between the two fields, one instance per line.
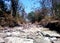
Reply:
x=8 y=33
x=47 y=40
x=42 y=40
x=18 y=28
x=30 y=34
x=1 y=28
x=18 y=40
x=16 y=33
x=53 y=39
x=1 y=40
x=2 y=35
x=51 y=33
x=57 y=41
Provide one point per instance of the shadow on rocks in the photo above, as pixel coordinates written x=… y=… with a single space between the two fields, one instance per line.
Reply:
x=54 y=26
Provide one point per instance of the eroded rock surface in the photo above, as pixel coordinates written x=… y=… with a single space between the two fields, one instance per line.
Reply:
x=28 y=34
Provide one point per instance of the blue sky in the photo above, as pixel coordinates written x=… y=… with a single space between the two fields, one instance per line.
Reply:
x=33 y=4
x=8 y=5
x=29 y=5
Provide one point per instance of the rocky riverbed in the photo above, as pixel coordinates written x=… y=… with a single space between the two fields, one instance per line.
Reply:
x=28 y=33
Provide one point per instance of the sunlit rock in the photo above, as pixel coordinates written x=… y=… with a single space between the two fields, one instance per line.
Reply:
x=2 y=35
x=1 y=40
x=16 y=33
x=18 y=40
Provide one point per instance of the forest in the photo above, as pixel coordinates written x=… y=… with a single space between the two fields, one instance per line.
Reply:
x=14 y=14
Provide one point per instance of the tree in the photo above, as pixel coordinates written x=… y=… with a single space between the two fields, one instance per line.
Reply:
x=14 y=7
x=45 y=5
x=56 y=8
x=1 y=7
x=1 y=4
x=38 y=15
x=31 y=17
x=35 y=16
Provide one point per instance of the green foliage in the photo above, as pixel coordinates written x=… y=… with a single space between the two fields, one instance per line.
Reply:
x=58 y=11
x=31 y=16
x=58 y=6
x=40 y=17
x=34 y=16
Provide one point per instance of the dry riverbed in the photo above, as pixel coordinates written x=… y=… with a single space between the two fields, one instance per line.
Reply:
x=28 y=34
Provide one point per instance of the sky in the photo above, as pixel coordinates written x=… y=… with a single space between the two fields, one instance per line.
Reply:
x=8 y=5
x=29 y=5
